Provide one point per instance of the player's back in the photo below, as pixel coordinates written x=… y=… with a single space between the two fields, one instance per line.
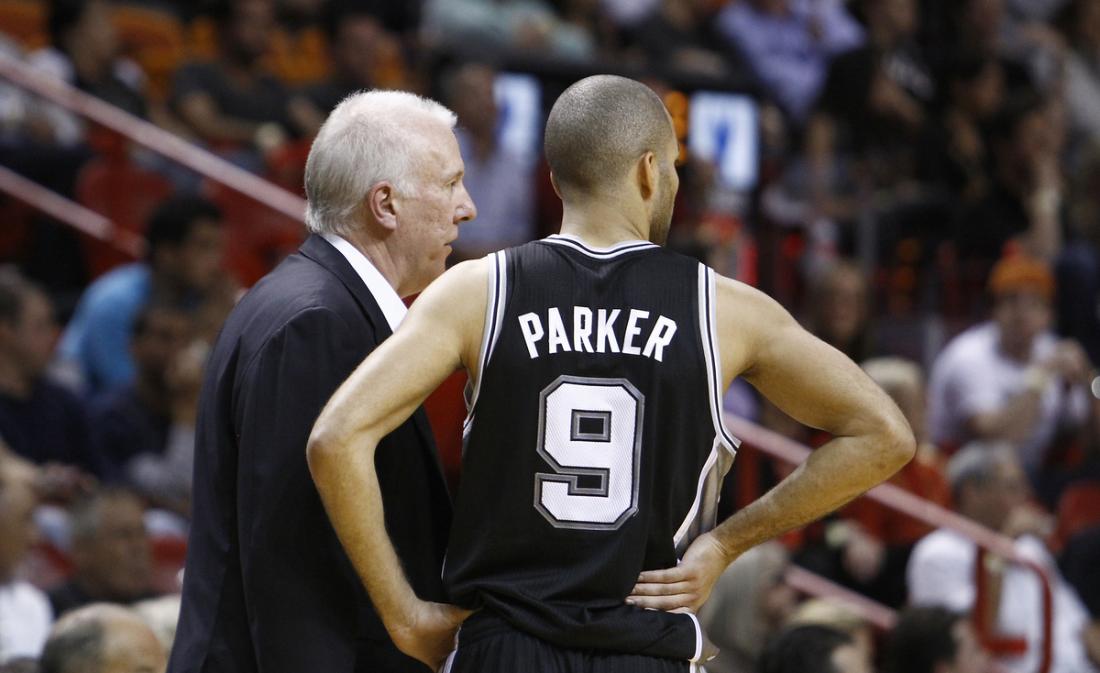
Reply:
x=594 y=448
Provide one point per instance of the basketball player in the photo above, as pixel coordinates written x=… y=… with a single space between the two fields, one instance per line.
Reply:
x=595 y=444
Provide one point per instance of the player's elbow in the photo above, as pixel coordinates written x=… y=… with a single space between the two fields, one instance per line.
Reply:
x=895 y=441
x=323 y=448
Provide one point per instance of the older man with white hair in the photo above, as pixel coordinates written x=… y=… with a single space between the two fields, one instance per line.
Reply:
x=990 y=487
x=267 y=586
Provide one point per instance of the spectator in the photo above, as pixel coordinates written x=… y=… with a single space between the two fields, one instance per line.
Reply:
x=839 y=306
x=365 y=56
x=102 y=639
x=1081 y=22
x=788 y=44
x=1011 y=379
x=83 y=52
x=182 y=268
x=500 y=182
x=990 y=488
x=955 y=151
x=812 y=648
x=1080 y=559
x=675 y=36
x=871 y=110
x=836 y=615
x=748 y=605
x=110 y=553
x=233 y=103
x=39 y=419
x=934 y=640
x=1024 y=203
x=146 y=429
x=25 y=614
x=494 y=26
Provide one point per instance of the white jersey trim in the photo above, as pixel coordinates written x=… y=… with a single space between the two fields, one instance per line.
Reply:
x=598 y=253
x=708 y=331
x=494 y=315
x=685 y=526
x=698 y=638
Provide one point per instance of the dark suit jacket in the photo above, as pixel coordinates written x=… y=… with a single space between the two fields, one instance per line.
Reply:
x=267 y=587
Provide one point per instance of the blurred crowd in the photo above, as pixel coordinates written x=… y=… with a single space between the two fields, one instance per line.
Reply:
x=928 y=202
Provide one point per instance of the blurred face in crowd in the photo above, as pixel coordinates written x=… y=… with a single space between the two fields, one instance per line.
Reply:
x=428 y=215
x=770 y=6
x=1021 y=316
x=982 y=96
x=196 y=262
x=17 y=529
x=990 y=502
x=30 y=341
x=898 y=18
x=1087 y=22
x=358 y=44
x=473 y=100
x=841 y=306
x=981 y=21
x=166 y=333
x=94 y=36
x=251 y=30
x=113 y=562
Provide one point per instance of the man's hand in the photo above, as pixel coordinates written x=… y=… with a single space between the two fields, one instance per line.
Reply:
x=429 y=635
x=687 y=586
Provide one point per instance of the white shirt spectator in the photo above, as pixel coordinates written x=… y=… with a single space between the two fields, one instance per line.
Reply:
x=941 y=572
x=25 y=619
x=972 y=376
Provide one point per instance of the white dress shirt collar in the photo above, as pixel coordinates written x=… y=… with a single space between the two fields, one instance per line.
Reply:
x=392 y=307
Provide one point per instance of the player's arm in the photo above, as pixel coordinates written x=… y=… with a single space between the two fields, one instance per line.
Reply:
x=440 y=333
x=816 y=385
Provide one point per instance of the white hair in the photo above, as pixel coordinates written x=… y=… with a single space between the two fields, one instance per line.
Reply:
x=368 y=138
x=977 y=462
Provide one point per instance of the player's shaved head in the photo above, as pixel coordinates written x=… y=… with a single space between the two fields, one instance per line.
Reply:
x=600 y=127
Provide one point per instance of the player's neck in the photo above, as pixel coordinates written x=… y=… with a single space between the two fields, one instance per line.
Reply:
x=602 y=225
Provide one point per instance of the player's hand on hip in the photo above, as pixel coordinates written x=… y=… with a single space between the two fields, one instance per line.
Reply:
x=430 y=633
x=685 y=587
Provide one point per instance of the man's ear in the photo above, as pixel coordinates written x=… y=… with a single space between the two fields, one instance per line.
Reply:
x=554 y=184
x=381 y=201
x=647 y=175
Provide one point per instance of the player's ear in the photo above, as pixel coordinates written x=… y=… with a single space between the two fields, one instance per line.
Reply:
x=381 y=203
x=554 y=184
x=648 y=175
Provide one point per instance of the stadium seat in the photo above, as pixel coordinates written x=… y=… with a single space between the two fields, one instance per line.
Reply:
x=257 y=237
x=25 y=22
x=1078 y=509
x=115 y=187
x=155 y=40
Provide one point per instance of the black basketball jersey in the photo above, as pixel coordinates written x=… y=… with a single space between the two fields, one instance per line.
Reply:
x=594 y=446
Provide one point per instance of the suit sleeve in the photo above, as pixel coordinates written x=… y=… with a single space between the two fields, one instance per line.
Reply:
x=300 y=591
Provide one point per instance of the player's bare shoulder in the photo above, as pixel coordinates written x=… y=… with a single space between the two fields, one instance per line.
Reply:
x=455 y=305
x=746 y=319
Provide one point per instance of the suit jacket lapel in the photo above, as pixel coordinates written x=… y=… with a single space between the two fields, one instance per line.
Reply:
x=322 y=252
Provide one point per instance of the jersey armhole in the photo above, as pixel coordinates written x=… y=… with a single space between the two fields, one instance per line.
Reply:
x=494 y=314
x=709 y=335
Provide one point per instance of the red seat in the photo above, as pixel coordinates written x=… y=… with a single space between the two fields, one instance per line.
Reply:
x=257 y=237
x=1078 y=509
x=124 y=193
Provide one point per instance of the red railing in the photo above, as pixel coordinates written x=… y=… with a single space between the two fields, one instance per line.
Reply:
x=160 y=141
x=898 y=499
